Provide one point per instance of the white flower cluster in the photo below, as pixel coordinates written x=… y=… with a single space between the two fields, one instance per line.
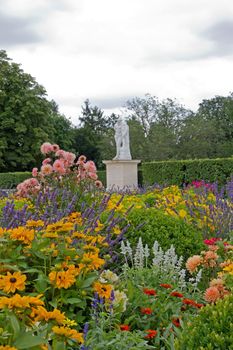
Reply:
x=163 y=262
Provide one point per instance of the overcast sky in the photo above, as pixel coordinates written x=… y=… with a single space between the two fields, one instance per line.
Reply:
x=112 y=50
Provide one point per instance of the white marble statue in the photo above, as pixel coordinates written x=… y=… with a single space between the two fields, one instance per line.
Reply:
x=122 y=140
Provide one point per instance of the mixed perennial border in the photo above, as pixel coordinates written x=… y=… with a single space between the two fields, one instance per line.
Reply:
x=84 y=269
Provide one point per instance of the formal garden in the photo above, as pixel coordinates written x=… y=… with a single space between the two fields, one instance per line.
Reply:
x=82 y=268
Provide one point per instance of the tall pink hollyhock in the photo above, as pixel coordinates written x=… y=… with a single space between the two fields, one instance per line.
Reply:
x=34 y=172
x=46 y=169
x=90 y=166
x=46 y=161
x=58 y=166
x=46 y=148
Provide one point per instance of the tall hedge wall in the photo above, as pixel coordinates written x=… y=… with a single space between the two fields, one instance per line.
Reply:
x=11 y=180
x=167 y=172
x=185 y=171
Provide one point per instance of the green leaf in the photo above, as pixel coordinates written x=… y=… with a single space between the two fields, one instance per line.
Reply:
x=58 y=345
x=73 y=301
x=27 y=341
x=15 y=325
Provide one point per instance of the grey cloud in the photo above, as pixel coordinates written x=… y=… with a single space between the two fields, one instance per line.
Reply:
x=16 y=31
x=221 y=35
x=110 y=102
x=103 y=103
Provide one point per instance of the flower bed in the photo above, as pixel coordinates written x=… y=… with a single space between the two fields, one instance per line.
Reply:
x=83 y=269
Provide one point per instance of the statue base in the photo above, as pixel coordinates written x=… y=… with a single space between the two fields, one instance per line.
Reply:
x=121 y=174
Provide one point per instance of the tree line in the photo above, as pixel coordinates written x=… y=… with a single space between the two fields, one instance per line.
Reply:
x=159 y=129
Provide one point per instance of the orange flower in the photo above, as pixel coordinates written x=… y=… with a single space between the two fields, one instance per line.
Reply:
x=68 y=333
x=193 y=262
x=212 y=294
x=210 y=258
x=22 y=234
x=7 y=347
x=149 y=291
x=62 y=279
x=176 y=321
x=176 y=294
x=165 y=285
x=146 y=310
x=151 y=333
x=124 y=327
x=103 y=289
x=12 y=282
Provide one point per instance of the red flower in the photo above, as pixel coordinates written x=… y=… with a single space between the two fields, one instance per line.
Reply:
x=176 y=322
x=124 y=327
x=151 y=333
x=149 y=291
x=146 y=310
x=176 y=294
x=199 y=306
x=189 y=302
x=165 y=285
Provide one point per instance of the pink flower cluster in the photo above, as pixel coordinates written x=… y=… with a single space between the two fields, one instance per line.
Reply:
x=28 y=187
x=211 y=241
x=58 y=164
x=202 y=183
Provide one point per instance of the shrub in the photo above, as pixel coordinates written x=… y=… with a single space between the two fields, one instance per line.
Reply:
x=211 y=329
x=185 y=171
x=11 y=180
x=151 y=224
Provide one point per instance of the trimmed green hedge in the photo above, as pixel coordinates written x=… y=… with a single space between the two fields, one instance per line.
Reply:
x=164 y=172
x=185 y=171
x=11 y=180
x=151 y=224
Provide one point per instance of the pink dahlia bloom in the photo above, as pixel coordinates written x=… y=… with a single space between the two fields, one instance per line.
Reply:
x=193 y=262
x=46 y=161
x=90 y=166
x=212 y=294
x=46 y=148
x=34 y=172
x=98 y=184
x=93 y=176
x=70 y=157
x=60 y=153
x=81 y=159
x=46 y=169
x=55 y=147
x=58 y=166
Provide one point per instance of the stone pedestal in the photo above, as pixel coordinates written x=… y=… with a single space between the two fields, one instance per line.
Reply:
x=121 y=174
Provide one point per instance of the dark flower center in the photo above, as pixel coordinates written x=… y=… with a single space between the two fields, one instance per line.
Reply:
x=13 y=279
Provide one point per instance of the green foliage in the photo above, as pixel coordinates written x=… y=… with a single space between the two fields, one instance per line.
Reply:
x=11 y=180
x=185 y=171
x=27 y=118
x=212 y=329
x=151 y=224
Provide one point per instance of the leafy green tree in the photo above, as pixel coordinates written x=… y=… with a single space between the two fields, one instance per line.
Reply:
x=94 y=136
x=161 y=123
x=209 y=132
x=27 y=118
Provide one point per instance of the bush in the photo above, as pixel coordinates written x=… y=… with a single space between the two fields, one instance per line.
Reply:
x=151 y=224
x=211 y=329
x=11 y=180
x=185 y=171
